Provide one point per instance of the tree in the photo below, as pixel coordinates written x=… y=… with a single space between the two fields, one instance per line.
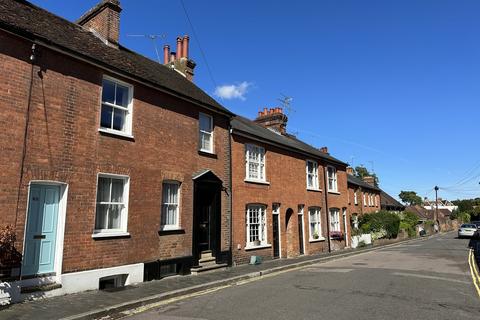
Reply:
x=410 y=198
x=360 y=172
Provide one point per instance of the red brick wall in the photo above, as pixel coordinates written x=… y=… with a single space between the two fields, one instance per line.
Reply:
x=64 y=145
x=362 y=208
x=285 y=172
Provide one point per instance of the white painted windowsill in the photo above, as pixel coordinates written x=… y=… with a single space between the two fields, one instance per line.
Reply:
x=334 y=192
x=262 y=246
x=110 y=234
x=317 y=240
x=170 y=228
x=313 y=189
x=257 y=181
x=116 y=132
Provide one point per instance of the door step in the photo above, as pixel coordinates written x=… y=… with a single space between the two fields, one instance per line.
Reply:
x=210 y=267
x=40 y=288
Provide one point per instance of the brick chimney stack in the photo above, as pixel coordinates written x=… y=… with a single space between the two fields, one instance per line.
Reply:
x=350 y=170
x=179 y=60
x=103 y=20
x=273 y=119
x=324 y=150
x=370 y=180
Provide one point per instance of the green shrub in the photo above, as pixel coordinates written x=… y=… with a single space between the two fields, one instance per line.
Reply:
x=408 y=222
x=381 y=221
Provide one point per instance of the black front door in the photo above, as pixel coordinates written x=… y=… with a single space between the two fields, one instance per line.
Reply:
x=206 y=216
x=204 y=226
x=276 y=237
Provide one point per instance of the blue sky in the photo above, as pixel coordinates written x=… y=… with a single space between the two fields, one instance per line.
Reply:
x=393 y=85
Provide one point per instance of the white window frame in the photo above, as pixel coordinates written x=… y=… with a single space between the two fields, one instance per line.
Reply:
x=355 y=197
x=124 y=213
x=210 y=133
x=129 y=109
x=176 y=225
x=261 y=163
x=364 y=199
x=314 y=175
x=301 y=209
x=375 y=200
x=335 y=220
x=262 y=225
x=332 y=178
x=318 y=212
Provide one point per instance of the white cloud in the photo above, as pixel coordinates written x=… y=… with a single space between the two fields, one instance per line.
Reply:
x=233 y=91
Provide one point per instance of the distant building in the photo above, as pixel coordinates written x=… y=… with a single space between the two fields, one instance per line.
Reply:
x=389 y=203
x=442 y=204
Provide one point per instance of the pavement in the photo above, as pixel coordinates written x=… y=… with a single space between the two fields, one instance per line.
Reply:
x=118 y=303
x=416 y=280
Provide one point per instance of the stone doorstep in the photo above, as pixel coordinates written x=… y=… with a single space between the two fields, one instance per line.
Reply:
x=40 y=288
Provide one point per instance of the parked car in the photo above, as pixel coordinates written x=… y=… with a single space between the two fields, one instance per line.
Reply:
x=467 y=230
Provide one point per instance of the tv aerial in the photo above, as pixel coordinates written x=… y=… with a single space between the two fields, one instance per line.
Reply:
x=153 y=38
x=285 y=103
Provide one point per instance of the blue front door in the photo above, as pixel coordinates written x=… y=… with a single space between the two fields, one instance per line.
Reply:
x=41 y=232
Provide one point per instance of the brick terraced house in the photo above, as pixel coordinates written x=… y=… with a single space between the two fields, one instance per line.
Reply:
x=363 y=196
x=114 y=169
x=289 y=198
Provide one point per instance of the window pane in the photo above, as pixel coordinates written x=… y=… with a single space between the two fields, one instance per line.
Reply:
x=205 y=123
x=103 y=189
x=122 y=96
x=205 y=139
x=119 y=119
x=117 y=190
x=108 y=91
x=101 y=216
x=106 y=119
x=114 y=216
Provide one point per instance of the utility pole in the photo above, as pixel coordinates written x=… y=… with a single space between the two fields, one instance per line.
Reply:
x=435 y=216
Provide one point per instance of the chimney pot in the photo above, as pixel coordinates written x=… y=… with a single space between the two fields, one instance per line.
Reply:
x=172 y=56
x=166 y=53
x=185 y=48
x=350 y=170
x=324 y=150
x=179 y=48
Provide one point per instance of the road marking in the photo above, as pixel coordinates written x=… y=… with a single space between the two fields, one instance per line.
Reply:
x=423 y=276
x=327 y=270
x=474 y=272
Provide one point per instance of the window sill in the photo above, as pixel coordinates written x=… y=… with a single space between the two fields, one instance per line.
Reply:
x=314 y=190
x=262 y=246
x=165 y=232
x=257 y=181
x=207 y=154
x=333 y=192
x=116 y=133
x=110 y=235
x=316 y=240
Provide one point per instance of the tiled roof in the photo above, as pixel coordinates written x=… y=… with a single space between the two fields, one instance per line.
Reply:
x=246 y=126
x=387 y=200
x=359 y=182
x=23 y=18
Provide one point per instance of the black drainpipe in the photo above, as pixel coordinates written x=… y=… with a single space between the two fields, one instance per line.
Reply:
x=230 y=131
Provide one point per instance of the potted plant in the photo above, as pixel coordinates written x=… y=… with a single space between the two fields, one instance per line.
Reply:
x=256 y=243
x=336 y=235
x=315 y=235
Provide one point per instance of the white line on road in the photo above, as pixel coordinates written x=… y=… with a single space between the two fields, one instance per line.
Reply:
x=416 y=275
x=327 y=270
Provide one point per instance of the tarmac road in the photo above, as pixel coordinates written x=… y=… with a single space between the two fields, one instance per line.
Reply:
x=419 y=280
